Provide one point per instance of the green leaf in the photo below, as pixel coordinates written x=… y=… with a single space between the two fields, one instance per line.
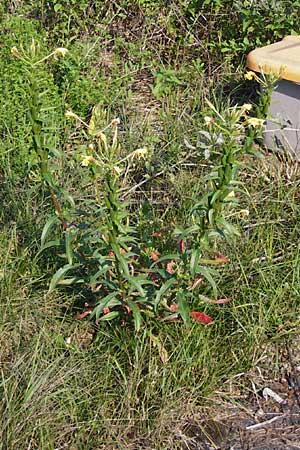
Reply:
x=137 y=317
x=47 y=228
x=183 y=233
x=69 y=198
x=47 y=176
x=168 y=257
x=227 y=227
x=211 y=216
x=215 y=197
x=195 y=255
x=138 y=283
x=100 y=273
x=164 y=289
x=54 y=151
x=207 y=273
x=57 y=7
x=97 y=120
x=110 y=316
x=211 y=262
x=58 y=276
x=183 y=308
x=49 y=244
x=68 y=244
x=107 y=301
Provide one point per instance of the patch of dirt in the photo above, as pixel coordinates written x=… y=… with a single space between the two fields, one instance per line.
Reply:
x=260 y=409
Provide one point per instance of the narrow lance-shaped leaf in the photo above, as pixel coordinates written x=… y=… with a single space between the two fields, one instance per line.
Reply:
x=110 y=316
x=68 y=245
x=137 y=317
x=49 y=244
x=164 y=288
x=58 y=276
x=47 y=228
x=183 y=308
x=207 y=274
x=107 y=301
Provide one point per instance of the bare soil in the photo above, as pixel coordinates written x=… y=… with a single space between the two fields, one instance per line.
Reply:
x=249 y=419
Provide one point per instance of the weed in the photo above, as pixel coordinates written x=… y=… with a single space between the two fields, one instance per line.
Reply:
x=115 y=272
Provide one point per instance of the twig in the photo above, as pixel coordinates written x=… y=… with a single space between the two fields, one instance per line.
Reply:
x=266 y=422
x=260 y=224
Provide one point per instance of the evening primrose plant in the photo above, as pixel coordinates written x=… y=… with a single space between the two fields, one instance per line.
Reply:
x=223 y=142
x=104 y=256
x=44 y=141
x=266 y=83
x=111 y=261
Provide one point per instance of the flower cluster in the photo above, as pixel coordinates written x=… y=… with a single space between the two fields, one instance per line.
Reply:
x=255 y=122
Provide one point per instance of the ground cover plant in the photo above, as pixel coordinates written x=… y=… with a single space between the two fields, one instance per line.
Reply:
x=145 y=260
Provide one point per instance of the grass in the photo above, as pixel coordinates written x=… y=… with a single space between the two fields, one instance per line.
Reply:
x=66 y=384
x=73 y=384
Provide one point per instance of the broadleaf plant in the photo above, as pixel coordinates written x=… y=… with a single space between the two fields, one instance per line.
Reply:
x=103 y=253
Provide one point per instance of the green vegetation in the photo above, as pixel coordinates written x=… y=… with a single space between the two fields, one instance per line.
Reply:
x=148 y=246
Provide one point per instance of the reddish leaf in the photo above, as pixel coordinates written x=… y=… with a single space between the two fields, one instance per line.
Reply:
x=201 y=317
x=95 y=289
x=196 y=281
x=171 y=318
x=127 y=309
x=181 y=246
x=221 y=258
x=220 y=301
x=111 y=274
x=154 y=256
x=173 y=307
x=83 y=315
x=157 y=234
x=169 y=268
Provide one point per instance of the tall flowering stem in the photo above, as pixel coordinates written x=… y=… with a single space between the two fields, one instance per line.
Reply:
x=31 y=64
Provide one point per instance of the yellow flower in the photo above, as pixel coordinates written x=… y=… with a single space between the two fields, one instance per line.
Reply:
x=256 y=123
x=208 y=120
x=15 y=52
x=243 y=213
x=87 y=160
x=70 y=115
x=102 y=138
x=115 y=122
x=247 y=107
x=250 y=75
x=140 y=153
x=230 y=196
x=60 y=51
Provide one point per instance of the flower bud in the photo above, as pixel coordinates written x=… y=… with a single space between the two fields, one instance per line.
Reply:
x=15 y=52
x=60 y=51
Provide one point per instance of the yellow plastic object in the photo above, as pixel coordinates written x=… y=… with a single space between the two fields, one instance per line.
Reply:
x=281 y=59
